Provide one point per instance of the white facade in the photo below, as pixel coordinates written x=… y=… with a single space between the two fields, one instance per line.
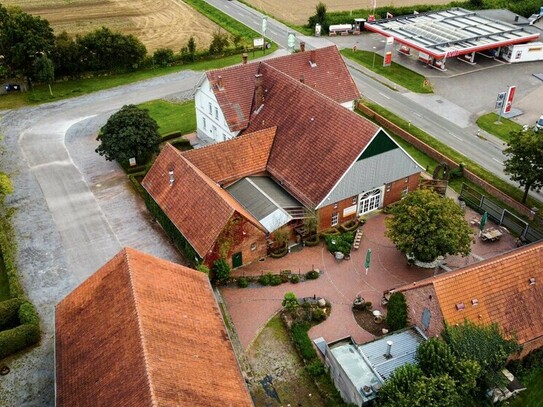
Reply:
x=349 y=105
x=533 y=51
x=210 y=122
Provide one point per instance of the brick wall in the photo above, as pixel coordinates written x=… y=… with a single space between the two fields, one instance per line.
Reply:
x=254 y=235
x=436 y=155
x=529 y=347
x=396 y=188
x=325 y=213
x=424 y=297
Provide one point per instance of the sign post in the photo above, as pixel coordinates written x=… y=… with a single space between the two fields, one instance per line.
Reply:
x=499 y=105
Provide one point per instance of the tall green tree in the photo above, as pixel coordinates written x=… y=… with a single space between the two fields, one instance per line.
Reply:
x=524 y=163
x=45 y=71
x=426 y=225
x=23 y=38
x=191 y=47
x=320 y=17
x=130 y=132
x=484 y=344
x=67 y=56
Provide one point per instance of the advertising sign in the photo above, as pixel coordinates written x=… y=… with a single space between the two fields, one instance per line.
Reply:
x=500 y=99
x=258 y=42
x=509 y=99
x=389 y=47
x=388 y=59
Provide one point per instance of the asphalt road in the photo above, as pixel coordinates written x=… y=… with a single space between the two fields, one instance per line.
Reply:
x=443 y=119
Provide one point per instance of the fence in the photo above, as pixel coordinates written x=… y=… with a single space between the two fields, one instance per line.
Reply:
x=501 y=216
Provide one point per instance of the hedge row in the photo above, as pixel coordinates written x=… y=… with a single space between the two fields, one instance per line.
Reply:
x=18 y=338
x=9 y=312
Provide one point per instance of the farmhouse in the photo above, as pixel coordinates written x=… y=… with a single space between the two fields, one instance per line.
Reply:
x=506 y=290
x=299 y=151
x=142 y=331
x=225 y=98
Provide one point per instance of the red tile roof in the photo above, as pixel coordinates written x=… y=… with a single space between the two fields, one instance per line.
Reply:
x=142 y=331
x=240 y=157
x=316 y=141
x=196 y=205
x=502 y=290
x=329 y=76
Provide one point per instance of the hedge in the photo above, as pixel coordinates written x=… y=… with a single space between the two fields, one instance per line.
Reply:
x=9 y=312
x=397 y=312
x=18 y=338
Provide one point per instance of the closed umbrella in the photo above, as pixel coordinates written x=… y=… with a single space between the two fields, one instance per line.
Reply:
x=484 y=218
x=368 y=259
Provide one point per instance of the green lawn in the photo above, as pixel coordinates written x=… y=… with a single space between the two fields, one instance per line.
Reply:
x=172 y=117
x=396 y=72
x=67 y=89
x=533 y=395
x=489 y=123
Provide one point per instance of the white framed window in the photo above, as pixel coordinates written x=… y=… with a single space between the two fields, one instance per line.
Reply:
x=335 y=218
x=335 y=205
x=213 y=130
x=210 y=108
x=370 y=201
x=406 y=180
x=216 y=113
x=355 y=199
x=253 y=247
x=204 y=123
x=389 y=187
x=405 y=191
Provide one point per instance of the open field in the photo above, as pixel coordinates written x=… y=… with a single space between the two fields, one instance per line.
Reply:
x=157 y=23
x=299 y=11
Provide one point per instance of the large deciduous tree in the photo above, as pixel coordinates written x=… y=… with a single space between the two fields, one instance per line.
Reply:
x=23 y=38
x=426 y=225
x=130 y=132
x=524 y=163
x=320 y=17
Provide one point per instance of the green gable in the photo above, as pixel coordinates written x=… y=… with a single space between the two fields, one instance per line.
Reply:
x=380 y=144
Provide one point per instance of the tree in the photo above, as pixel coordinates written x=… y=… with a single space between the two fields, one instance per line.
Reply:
x=45 y=71
x=524 y=163
x=310 y=222
x=320 y=17
x=221 y=270
x=483 y=344
x=435 y=358
x=130 y=132
x=399 y=384
x=290 y=301
x=218 y=43
x=397 y=312
x=22 y=38
x=281 y=236
x=67 y=56
x=191 y=48
x=163 y=56
x=426 y=225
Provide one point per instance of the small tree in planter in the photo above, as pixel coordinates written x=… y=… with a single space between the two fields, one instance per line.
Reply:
x=310 y=224
x=281 y=237
x=221 y=271
x=290 y=301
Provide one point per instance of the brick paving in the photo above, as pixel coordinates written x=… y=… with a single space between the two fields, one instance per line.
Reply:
x=340 y=281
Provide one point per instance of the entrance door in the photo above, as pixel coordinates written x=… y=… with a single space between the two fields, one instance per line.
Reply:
x=370 y=201
x=237 y=260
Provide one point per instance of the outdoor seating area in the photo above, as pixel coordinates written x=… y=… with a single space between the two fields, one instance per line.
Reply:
x=491 y=235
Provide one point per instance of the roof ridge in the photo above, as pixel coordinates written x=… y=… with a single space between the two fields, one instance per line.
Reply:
x=140 y=327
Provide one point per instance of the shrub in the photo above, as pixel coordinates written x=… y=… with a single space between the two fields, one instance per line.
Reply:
x=9 y=312
x=315 y=368
x=340 y=243
x=163 y=57
x=276 y=280
x=28 y=314
x=330 y=232
x=290 y=301
x=302 y=341
x=218 y=43
x=265 y=279
x=221 y=270
x=397 y=312
x=243 y=282
x=18 y=338
x=202 y=268
x=294 y=279
x=318 y=314
x=312 y=275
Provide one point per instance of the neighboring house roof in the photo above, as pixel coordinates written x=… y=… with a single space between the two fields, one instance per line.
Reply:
x=240 y=157
x=497 y=290
x=329 y=76
x=191 y=189
x=316 y=141
x=144 y=331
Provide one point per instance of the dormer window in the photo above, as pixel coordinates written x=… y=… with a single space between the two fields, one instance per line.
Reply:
x=532 y=281
x=460 y=306
x=475 y=302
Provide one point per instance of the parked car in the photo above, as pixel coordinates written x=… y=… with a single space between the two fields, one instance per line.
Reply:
x=539 y=124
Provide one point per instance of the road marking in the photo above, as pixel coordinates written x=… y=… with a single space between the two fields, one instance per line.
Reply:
x=455 y=136
x=383 y=95
x=417 y=114
x=498 y=161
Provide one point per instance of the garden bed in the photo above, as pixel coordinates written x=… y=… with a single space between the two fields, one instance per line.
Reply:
x=366 y=320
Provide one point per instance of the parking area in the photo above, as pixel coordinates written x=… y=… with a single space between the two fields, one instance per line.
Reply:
x=341 y=281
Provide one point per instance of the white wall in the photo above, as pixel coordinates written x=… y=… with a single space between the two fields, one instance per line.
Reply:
x=210 y=121
x=349 y=105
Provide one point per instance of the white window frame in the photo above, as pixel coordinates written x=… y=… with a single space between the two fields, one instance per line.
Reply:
x=210 y=108
x=335 y=218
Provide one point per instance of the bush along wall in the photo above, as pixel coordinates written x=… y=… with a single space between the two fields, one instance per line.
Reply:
x=19 y=321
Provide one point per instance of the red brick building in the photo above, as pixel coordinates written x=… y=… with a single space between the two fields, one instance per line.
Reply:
x=507 y=290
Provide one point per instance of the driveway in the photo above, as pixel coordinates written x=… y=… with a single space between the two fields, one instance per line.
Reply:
x=340 y=282
x=73 y=211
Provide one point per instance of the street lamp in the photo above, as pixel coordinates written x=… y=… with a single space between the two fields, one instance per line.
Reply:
x=373 y=63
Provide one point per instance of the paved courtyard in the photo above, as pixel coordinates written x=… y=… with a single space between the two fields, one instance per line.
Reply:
x=340 y=281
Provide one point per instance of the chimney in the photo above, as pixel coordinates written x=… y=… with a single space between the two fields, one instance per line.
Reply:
x=259 y=92
x=388 y=355
x=219 y=82
x=313 y=58
x=172 y=179
x=302 y=46
x=302 y=78
x=244 y=57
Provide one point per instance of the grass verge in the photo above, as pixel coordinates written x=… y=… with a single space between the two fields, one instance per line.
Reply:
x=63 y=90
x=489 y=123
x=172 y=117
x=502 y=185
x=395 y=72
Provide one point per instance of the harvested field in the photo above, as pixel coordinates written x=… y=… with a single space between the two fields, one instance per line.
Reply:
x=298 y=12
x=157 y=23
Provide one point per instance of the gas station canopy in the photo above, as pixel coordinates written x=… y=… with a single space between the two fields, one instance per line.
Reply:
x=450 y=33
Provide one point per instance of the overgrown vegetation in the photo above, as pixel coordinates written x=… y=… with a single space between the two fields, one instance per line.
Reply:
x=340 y=243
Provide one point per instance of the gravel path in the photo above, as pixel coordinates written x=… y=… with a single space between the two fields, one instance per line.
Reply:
x=73 y=211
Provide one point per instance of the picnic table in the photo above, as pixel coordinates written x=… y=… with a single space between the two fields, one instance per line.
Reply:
x=491 y=235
